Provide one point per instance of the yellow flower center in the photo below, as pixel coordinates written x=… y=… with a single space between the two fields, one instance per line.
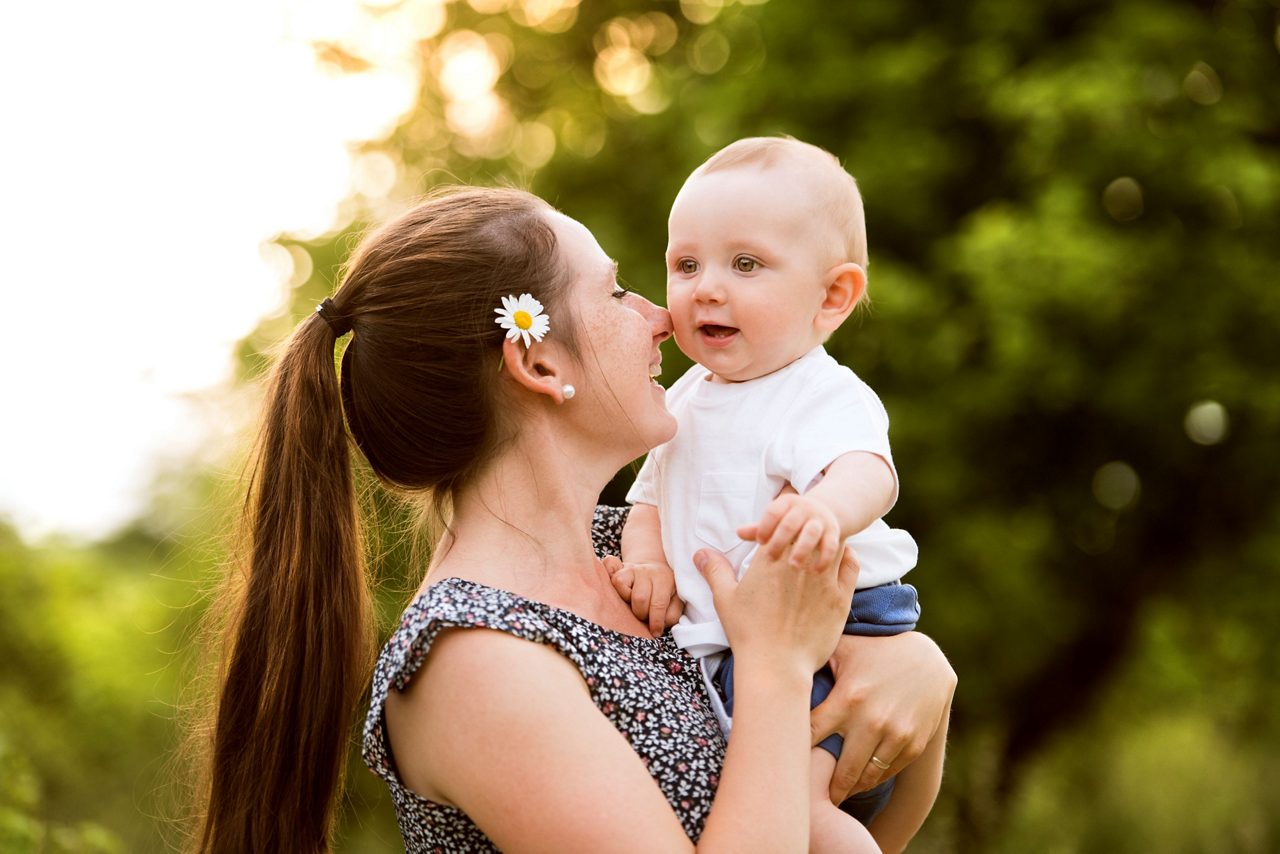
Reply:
x=522 y=319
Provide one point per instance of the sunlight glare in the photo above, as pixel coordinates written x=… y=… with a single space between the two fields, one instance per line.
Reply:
x=469 y=68
x=143 y=249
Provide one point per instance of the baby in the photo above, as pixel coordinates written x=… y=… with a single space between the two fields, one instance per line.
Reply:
x=779 y=447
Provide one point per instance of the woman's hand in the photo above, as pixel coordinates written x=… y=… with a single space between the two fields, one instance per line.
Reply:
x=890 y=696
x=781 y=614
x=783 y=623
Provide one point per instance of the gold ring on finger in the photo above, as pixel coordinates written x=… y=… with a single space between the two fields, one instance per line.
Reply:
x=879 y=763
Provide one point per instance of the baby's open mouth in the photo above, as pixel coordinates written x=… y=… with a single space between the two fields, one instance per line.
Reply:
x=716 y=331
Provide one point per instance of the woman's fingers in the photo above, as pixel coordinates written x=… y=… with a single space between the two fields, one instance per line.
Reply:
x=847 y=571
x=890 y=697
x=883 y=762
x=716 y=569
x=830 y=716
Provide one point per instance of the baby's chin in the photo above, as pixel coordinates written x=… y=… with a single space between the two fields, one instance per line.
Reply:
x=751 y=372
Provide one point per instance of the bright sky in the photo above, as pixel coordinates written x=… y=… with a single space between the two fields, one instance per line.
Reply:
x=151 y=149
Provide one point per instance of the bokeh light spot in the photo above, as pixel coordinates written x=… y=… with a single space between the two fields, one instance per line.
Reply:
x=1123 y=199
x=650 y=101
x=469 y=68
x=584 y=135
x=475 y=117
x=1225 y=208
x=534 y=144
x=664 y=33
x=426 y=18
x=1202 y=84
x=374 y=174
x=303 y=266
x=709 y=52
x=701 y=11
x=1206 y=422
x=1116 y=485
x=549 y=15
x=622 y=71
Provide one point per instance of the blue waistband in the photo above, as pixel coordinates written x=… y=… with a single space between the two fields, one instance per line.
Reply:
x=889 y=609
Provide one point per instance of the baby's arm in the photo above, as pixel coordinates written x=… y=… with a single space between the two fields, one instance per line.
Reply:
x=643 y=577
x=856 y=489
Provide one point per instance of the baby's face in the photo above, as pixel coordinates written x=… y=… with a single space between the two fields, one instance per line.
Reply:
x=747 y=257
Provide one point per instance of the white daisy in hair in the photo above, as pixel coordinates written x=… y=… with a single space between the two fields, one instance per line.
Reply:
x=522 y=317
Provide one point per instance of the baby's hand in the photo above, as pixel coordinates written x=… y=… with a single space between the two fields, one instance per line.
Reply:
x=804 y=525
x=651 y=590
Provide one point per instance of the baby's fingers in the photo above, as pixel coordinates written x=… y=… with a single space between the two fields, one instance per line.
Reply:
x=805 y=551
x=612 y=563
x=623 y=580
x=788 y=528
x=658 y=604
x=764 y=529
x=641 y=593
x=674 y=610
x=827 y=549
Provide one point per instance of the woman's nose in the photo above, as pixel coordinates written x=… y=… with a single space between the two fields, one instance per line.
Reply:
x=659 y=320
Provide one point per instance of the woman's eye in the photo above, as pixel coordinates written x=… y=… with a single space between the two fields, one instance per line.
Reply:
x=743 y=264
x=688 y=266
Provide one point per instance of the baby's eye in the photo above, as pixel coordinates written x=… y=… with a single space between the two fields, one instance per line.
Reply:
x=688 y=266
x=620 y=290
x=745 y=264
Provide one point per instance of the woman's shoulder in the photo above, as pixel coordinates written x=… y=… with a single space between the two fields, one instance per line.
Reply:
x=447 y=604
x=649 y=689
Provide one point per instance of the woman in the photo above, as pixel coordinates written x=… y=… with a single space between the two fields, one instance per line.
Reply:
x=490 y=739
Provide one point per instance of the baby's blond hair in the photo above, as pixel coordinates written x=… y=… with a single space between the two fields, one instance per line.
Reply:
x=837 y=194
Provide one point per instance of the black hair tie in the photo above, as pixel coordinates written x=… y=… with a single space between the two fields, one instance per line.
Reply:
x=338 y=322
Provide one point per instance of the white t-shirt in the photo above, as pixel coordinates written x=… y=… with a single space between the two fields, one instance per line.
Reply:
x=737 y=445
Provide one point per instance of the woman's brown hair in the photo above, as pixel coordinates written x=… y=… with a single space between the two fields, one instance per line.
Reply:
x=418 y=391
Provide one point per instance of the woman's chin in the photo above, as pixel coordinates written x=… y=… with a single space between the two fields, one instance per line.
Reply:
x=669 y=432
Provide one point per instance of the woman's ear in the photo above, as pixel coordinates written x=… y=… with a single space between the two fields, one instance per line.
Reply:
x=539 y=368
x=845 y=286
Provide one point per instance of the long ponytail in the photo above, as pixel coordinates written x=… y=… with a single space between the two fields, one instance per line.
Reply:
x=418 y=395
x=298 y=641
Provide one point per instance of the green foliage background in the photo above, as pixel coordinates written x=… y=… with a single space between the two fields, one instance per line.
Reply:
x=1073 y=210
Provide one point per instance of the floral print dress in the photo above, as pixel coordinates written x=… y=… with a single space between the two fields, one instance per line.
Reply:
x=651 y=690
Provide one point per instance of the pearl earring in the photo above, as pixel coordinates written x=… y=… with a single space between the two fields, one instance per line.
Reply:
x=568 y=391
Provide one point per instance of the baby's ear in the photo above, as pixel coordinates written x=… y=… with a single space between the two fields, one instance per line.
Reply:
x=845 y=285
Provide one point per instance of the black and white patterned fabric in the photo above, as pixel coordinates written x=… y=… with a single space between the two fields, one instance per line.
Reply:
x=649 y=689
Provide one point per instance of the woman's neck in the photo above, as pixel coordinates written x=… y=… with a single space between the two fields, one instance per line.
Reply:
x=525 y=523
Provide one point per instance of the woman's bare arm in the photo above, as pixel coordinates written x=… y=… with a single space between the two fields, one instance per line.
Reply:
x=890 y=697
x=506 y=731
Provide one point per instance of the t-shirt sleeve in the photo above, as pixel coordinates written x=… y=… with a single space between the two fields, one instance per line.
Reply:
x=645 y=488
x=837 y=416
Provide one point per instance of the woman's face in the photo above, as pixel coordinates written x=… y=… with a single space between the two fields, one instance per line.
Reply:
x=619 y=333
